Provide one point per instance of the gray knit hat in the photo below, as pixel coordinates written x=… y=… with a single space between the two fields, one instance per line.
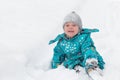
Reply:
x=73 y=17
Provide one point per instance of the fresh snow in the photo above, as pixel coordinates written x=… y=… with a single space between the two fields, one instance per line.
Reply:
x=26 y=26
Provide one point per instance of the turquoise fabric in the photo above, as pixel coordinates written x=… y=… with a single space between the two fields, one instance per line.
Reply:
x=76 y=50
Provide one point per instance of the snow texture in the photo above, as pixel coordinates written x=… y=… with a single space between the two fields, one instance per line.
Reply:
x=26 y=26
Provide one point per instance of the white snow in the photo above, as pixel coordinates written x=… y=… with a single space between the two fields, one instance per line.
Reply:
x=26 y=26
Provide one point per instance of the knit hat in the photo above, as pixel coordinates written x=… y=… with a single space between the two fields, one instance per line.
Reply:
x=73 y=17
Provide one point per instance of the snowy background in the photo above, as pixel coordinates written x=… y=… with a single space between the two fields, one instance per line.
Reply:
x=26 y=26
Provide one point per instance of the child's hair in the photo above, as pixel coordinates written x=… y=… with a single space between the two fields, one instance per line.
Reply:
x=73 y=17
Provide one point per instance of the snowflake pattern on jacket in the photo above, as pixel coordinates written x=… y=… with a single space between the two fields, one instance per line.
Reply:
x=76 y=50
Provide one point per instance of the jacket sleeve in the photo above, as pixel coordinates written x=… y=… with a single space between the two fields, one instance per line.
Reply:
x=58 y=57
x=89 y=51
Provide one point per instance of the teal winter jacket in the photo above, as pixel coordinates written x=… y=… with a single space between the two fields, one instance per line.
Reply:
x=76 y=50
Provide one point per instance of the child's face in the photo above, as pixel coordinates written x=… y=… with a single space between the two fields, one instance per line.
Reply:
x=71 y=29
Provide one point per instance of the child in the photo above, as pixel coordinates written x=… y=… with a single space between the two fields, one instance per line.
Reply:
x=75 y=47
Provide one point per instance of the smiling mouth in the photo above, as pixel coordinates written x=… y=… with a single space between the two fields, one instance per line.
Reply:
x=71 y=31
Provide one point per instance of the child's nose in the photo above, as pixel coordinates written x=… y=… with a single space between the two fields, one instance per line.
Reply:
x=70 y=27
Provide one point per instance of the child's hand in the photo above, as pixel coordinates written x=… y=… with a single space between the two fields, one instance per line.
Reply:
x=78 y=68
x=91 y=63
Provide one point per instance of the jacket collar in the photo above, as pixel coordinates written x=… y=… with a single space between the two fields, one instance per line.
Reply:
x=84 y=31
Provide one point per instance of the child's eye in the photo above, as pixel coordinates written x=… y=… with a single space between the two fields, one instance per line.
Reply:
x=67 y=25
x=74 y=25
